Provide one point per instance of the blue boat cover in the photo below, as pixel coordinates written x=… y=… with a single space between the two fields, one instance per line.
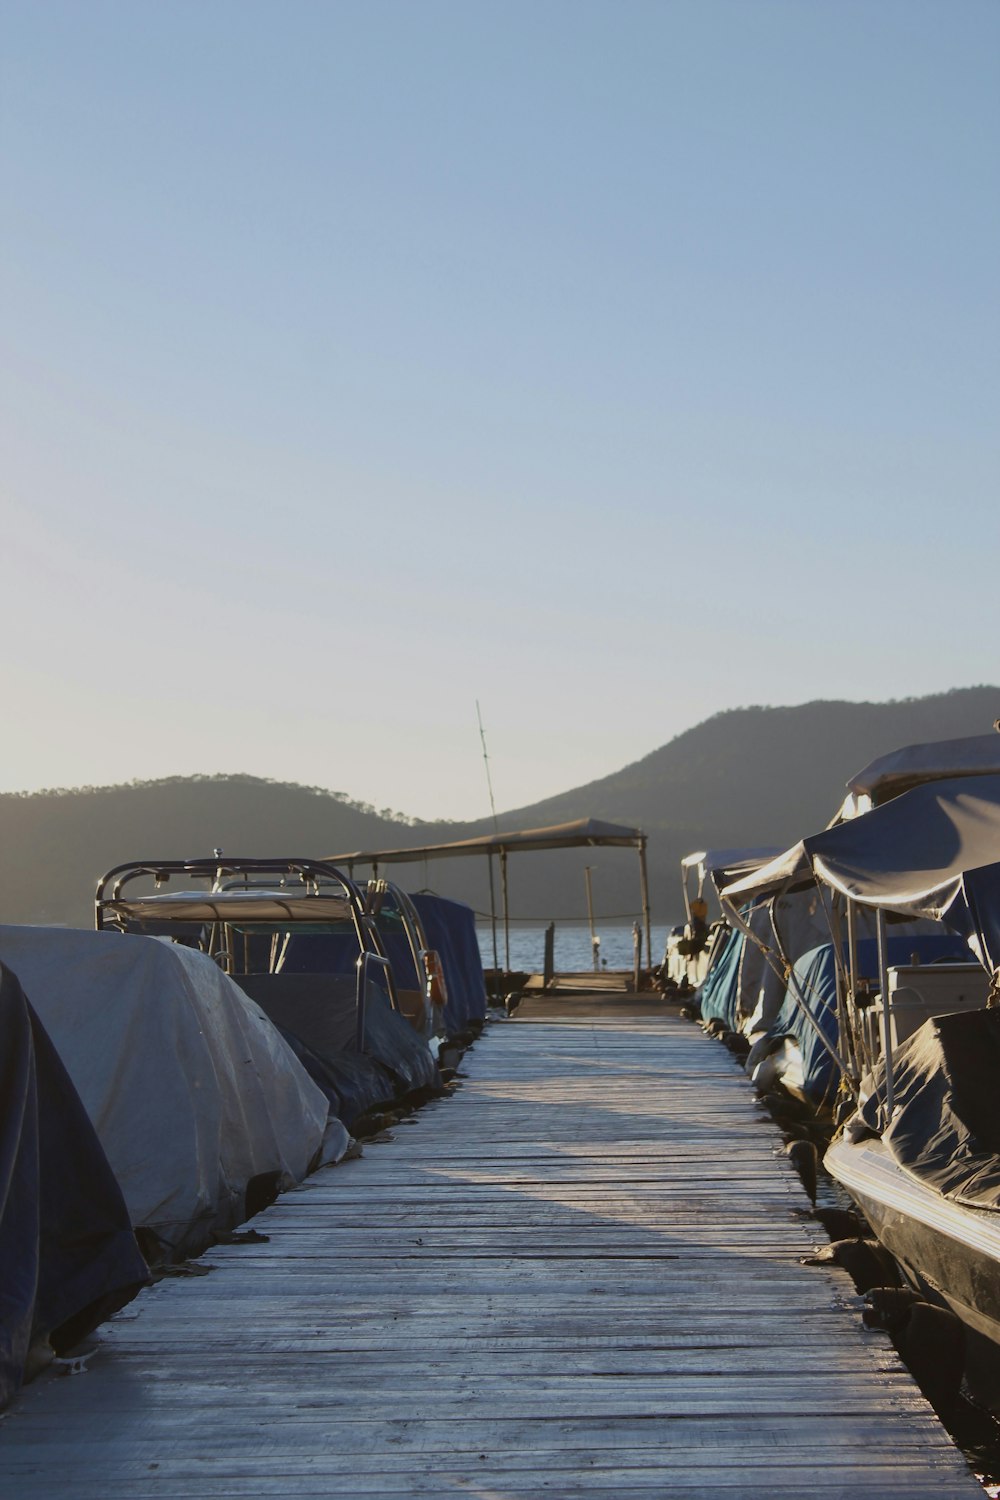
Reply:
x=814 y=980
x=718 y=996
x=68 y=1257
x=352 y=1082
x=931 y=852
x=396 y=1059
x=450 y=929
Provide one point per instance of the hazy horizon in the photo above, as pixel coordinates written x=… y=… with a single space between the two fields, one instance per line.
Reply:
x=613 y=366
x=386 y=811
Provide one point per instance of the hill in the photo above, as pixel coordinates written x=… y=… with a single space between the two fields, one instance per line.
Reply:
x=745 y=776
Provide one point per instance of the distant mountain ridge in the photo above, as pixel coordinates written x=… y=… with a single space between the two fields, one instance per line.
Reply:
x=745 y=776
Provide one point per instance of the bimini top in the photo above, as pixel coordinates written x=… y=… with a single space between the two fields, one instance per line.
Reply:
x=586 y=831
x=930 y=852
x=725 y=865
x=900 y=770
x=242 y=907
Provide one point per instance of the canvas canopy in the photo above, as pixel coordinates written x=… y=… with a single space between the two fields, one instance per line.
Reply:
x=240 y=907
x=584 y=832
x=710 y=860
x=932 y=852
x=724 y=865
x=899 y=771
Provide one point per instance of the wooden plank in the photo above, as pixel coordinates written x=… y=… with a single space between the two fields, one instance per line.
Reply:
x=580 y=1275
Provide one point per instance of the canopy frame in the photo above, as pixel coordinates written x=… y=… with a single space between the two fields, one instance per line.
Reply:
x=585 y=833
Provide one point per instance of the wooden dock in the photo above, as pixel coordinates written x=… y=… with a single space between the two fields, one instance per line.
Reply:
x=579 y=1277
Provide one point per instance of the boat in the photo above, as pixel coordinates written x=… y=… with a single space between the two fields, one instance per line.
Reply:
x=918 y=1046
x=309 y=948
x=694 y=947
x=68 y=1256
x=504 y=984
x=778 y=986
x=201 y=1109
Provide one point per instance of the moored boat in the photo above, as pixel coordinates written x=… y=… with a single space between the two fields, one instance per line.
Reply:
x=919 y=1061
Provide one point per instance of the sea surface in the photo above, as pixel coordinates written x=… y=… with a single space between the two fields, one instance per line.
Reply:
x=572 y=950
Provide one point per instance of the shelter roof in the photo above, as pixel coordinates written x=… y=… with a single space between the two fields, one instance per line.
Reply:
x=582 y=833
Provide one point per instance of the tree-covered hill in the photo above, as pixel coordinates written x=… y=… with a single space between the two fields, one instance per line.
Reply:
x=746 y=776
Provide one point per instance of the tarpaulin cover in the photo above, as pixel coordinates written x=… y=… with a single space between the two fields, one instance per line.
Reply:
x=717 y=996
x=450 y=928
x=192 y=1091
x=68 y=1257
x=393 y=1042
x=389 y=1038
x=319 y=953
x=931 y=852
x=724 y=865
x=945 y=1128
x=741 y=989
x=802 y=923
x=814 y=981
x=352 y=1082
x=710 y=860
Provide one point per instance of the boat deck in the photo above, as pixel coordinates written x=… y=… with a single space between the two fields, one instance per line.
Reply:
x=578 y=1277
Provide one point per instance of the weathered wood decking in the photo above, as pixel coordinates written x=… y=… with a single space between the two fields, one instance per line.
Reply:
x=579 y=1277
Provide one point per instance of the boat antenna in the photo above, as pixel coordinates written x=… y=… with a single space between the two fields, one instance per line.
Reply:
x=486 y=763
x=497 y=988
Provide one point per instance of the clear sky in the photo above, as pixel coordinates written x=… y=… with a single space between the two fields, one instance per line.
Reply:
x=610 y=363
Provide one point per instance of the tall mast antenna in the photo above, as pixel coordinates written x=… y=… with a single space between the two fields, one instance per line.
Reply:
x=486 y=763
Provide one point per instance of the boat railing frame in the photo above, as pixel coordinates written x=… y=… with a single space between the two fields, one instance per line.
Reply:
x=227 y=872
x=366 y=960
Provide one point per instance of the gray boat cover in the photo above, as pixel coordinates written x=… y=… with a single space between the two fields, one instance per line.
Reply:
x=192 y=1091
x=945 y=1128
x=932 y=852
x=723 y=865
x=889 y=775
x=68 y=1257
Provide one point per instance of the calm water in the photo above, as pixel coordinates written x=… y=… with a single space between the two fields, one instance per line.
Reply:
x=527 y=945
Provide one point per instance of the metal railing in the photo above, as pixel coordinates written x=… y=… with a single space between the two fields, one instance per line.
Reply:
x=365 y=961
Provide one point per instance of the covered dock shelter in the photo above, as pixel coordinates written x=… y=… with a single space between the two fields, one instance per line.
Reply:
x=583 y=833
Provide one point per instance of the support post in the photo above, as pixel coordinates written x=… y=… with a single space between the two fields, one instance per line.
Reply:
x=883 y=979
x=850 y=1009
x=549 y=961
x=493 y=924
x=506 y=908
x=636 y=956
x=644 y=885
x=595 y=942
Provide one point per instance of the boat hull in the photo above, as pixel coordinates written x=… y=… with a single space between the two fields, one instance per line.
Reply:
x=949 y=1253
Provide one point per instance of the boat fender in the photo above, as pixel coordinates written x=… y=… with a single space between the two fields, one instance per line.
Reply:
x=888 y=1307
x=841 y=1223
x=761 y=1048
x=805 y=1159
x=737 y=1044
x=866 y=1262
